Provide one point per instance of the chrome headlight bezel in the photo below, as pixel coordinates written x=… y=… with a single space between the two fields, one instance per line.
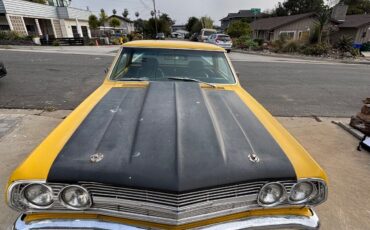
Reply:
x=29 y=203
x=281 y=199
x=64 y=203
x=318 y=195
x=313 y=194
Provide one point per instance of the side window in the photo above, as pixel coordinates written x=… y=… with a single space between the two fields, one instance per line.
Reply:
x=223 y=66
x=120 y=66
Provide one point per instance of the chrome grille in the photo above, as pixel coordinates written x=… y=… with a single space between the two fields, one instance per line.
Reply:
x=173 y=200
x=167 y=208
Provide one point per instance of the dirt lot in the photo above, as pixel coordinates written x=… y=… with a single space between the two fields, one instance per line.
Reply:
x=348 y=206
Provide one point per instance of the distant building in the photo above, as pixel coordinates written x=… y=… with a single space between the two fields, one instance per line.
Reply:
x=175 y=28
x=294 y=27
x=355 y=26
x=299 y=27
x=53 y=20
x=126 y=26
x=246 y=15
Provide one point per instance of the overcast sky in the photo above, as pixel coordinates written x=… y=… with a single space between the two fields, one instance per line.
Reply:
x=180 y=10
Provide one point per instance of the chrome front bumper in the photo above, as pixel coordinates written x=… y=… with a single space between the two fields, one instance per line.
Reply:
x=263 y=222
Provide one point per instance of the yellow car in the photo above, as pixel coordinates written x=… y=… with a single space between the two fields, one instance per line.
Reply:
x=170 y=140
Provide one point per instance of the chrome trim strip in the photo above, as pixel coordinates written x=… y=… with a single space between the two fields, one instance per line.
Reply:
x=264 y=222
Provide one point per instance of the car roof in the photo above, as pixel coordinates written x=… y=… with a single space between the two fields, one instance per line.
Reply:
x=186 y=45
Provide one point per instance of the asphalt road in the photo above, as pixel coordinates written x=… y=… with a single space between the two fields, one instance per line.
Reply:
x=49 y=81
x=284 y=87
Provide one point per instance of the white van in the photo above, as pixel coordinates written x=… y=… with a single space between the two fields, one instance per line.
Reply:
x=205 y=33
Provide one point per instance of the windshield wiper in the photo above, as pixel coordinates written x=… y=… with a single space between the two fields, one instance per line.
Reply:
x=191 y=79
x=134 y=79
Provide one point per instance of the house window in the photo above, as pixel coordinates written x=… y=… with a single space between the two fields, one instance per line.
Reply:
x=75 y=32
x=84 y=31
x=303 y=35
x=289 y=35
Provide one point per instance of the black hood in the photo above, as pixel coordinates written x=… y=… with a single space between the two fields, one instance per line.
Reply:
x=171 y=136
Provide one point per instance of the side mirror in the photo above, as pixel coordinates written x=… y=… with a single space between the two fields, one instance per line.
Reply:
x=238 y=75
x=106 y=70
x=3 y=71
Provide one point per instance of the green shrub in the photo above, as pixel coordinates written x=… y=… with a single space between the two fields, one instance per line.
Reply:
x=259 y=41
x=3 y=35
x=291 y=47
x=116 y=41
x=245 y=42
x=278 y=45
x=239 y=29
x=316 y=49
x=56 y=43
x=365 y=47
x=344 y=44
x=355 y=52
x=12 y=35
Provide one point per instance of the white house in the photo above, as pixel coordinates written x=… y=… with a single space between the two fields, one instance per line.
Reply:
x=126 y=25
x=55 y=20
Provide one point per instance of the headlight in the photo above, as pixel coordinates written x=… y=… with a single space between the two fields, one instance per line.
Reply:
x=38 y=196
x=272 y=194
x=302 y=192
x=75 y=197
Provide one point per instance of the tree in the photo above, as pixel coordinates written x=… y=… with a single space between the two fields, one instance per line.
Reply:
x=139 y=25
x=293 y=7
x=93 y=22
x=164 y=23
x=280 y=10
x=114 y=22
x=238 y=29
x=193 y=25
x=125 y=13
x=206 y=22
x=103 y=17
x=358 y=6
x=323 y=18
x=114 y=11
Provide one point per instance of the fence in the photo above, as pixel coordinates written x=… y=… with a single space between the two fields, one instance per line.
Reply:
x=65 y=41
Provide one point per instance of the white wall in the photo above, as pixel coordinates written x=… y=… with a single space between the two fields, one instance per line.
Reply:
x=67 y=27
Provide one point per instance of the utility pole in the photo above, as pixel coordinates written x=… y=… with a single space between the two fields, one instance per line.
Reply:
x=155 y=18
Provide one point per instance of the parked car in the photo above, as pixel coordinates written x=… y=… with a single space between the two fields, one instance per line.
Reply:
x=160 y=36
x=205 y=33
x=177 y=35
x=3 y=71
x=221 y=40
x=169 y=140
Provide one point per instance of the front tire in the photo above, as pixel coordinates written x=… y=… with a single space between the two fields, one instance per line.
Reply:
x=228 y=51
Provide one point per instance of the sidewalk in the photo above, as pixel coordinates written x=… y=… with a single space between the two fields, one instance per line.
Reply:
x=83 y=50
x=362 y=61
x=334 y=149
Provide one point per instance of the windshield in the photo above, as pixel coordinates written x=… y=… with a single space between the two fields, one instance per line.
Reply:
x=207 y=32
x=223 y=38
x=164 y=64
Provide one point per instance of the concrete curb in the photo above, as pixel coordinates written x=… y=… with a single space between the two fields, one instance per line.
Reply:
x=308 y=58
x=354 y=132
